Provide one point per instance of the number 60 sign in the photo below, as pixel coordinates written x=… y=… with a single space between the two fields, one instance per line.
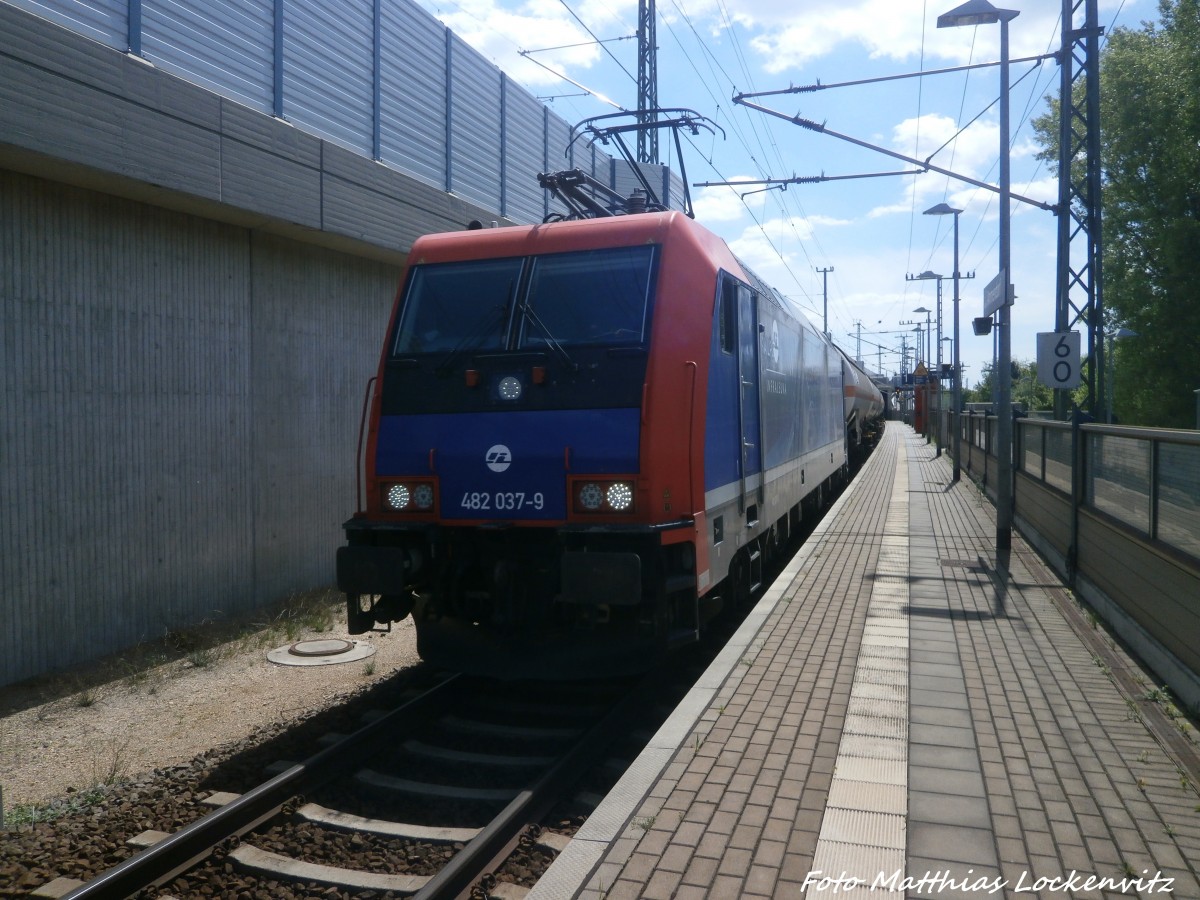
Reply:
x=1058 y=359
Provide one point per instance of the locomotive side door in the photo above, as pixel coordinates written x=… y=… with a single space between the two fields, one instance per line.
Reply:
x=748 y=408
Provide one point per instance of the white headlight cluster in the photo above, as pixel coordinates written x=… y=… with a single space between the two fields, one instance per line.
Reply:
x=412 y=496
x=604 y=496
x=399 y=496
x=619 y=495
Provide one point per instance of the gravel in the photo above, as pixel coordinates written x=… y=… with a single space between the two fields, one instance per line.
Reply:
x=82 y=772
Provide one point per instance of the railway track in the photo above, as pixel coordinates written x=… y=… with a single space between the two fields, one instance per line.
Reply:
x=425 y=801
x=429 y=800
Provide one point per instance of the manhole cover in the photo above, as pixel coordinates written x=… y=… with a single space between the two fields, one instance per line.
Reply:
x=320 y=652
x=327 y=647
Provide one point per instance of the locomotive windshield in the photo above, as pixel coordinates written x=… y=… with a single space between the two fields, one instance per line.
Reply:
x=594 y=297
x=452 y=305
x=597 y=297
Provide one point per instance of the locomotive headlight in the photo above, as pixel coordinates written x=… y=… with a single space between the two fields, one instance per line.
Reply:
x=509 y=388
x=413 y=496
x=423 y=496
x=399 y=496
x=591 y=496
x=604 y=497
x=619 y=495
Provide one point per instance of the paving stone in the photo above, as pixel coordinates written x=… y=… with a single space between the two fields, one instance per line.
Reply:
x=1020 y=748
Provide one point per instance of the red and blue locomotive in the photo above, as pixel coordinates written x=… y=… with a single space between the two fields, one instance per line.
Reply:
x=586 y=437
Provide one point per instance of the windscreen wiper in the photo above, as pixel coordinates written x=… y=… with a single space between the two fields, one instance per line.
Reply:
x=551 y=340
x=471 y=340
x=498 y=314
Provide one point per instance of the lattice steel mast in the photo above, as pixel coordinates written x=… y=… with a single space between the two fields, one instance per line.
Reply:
x=1079 y=294
x=647 y=142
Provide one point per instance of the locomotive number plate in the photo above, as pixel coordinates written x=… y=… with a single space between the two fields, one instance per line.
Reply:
x=502 y=500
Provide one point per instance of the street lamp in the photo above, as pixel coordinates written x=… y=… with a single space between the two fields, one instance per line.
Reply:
x=916 y=388
x=1113 y=337
x=922 y=276
x=929 y=275
x=945 y=209
x=981 y=12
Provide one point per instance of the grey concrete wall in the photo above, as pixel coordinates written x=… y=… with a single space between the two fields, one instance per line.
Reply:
x=192 y=298
x=180 y=414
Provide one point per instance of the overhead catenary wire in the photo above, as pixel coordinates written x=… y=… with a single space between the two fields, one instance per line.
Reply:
x=715 y=52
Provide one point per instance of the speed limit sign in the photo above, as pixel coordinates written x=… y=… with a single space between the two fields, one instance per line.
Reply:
x=1058 y=359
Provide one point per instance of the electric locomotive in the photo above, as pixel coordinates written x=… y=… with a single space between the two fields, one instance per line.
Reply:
x=587 y=437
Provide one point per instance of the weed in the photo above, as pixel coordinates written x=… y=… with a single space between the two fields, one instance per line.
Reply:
x=114 y=771
x=1169 y=830
x=202 y=657
x=369 y=668
x=1128 y=870
x=32 y=813
x=1158 y=695
x=87 y=697
x=1144 y=756
x=644 y=822
x=1141 y=785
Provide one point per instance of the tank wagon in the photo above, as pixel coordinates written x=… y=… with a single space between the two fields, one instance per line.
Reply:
x=584 y=439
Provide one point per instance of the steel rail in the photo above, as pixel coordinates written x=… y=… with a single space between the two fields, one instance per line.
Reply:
x=195 y=842
x=500 y=836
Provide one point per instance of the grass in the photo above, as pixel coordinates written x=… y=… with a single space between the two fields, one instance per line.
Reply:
x=33 y=813
x=145 y=665
x=104 y=775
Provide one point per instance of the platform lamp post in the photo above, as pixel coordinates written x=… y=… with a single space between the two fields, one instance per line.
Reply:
x=917 y=352
x=923 y=276
x=927 y=275
x=981 y=12
x=945 y=209
x=1113 y=337
x=928 y=348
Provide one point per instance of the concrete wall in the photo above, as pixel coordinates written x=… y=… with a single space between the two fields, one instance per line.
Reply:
x=192 y=298
x=181 y=403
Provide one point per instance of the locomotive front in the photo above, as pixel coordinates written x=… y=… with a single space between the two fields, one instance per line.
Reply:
x=504 y=507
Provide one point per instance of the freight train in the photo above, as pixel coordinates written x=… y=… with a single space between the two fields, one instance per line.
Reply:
x=585 y=438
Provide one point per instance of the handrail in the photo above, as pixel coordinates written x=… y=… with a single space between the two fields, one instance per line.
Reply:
x=358 y=457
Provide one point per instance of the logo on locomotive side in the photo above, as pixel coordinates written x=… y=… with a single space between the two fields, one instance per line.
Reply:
x=498 y=458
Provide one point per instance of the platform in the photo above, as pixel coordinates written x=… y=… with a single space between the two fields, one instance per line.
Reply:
x=905 y=714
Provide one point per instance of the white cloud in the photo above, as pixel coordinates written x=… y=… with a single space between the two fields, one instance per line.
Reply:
x=718 y=204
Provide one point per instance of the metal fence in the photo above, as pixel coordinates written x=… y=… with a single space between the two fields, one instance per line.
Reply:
x=1146 y=479
x=1116 y=510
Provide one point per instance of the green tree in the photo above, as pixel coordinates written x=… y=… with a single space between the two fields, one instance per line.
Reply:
x=1150 y=161
x=1027 y=391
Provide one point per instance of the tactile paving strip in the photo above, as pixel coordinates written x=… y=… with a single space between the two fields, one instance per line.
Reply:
x=863 y=829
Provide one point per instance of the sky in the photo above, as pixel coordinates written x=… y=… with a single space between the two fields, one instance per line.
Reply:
x=869 y=229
